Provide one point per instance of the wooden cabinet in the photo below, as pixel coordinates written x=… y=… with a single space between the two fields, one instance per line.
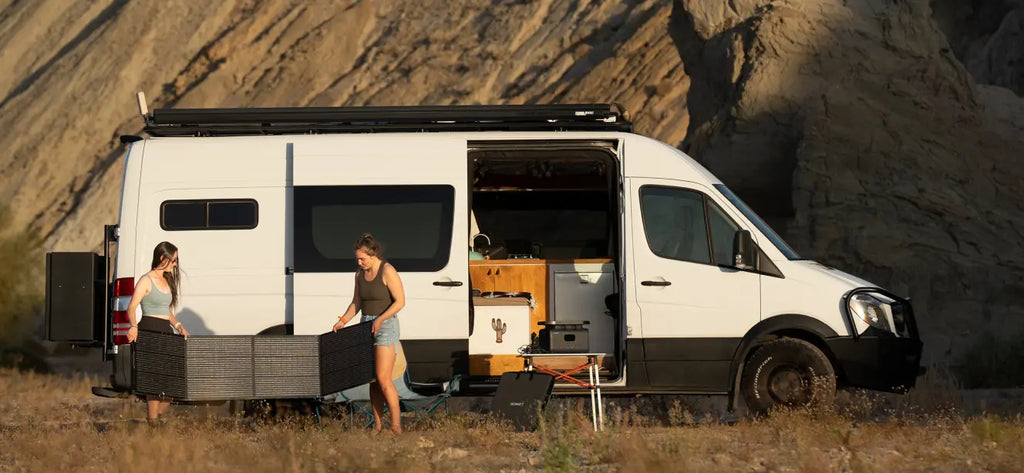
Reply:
x=514 y=276
x=578 y=288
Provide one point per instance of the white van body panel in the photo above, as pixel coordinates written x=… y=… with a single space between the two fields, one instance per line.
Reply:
x=703 y=300
x=124 y=264
x=233 y=281
x=814 y=290
x=431 y=312
x=646 y=157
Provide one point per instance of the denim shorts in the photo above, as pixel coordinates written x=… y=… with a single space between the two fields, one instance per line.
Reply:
x=388 y=334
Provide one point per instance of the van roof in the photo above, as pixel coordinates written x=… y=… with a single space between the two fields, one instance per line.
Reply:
x=319 y=120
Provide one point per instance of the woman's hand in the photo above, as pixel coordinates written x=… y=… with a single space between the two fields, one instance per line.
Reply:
x=181 y=330
x=339 y=325
x=376 y=324
x=133 y=333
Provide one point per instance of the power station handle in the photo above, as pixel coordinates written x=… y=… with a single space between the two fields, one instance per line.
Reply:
x=448 y=283
x=655 y=283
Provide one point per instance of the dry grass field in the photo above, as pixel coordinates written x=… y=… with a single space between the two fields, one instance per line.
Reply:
x=53 y=423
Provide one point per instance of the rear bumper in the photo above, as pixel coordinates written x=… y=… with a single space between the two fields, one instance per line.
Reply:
x=883 y=363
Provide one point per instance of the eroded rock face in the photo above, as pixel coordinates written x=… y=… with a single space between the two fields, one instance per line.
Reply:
x=988 y=37
x=851 y=125
x=856 y=131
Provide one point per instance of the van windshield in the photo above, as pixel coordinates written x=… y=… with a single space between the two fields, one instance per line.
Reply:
x=756 y=220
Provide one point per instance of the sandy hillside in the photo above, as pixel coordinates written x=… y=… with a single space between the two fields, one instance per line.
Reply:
x=853 y=126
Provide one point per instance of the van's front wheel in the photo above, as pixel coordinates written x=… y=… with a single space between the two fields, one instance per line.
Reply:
x=787 y=372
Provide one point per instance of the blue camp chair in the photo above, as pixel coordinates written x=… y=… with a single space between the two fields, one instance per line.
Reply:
x=422 y=399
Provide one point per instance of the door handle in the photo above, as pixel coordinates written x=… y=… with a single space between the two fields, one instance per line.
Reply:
x=448 y=283
x=655 y=283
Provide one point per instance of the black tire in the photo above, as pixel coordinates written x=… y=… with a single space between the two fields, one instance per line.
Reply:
x=787 y=372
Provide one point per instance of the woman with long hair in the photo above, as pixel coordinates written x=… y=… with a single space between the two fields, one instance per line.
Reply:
x=157 y=293
x=379 y=295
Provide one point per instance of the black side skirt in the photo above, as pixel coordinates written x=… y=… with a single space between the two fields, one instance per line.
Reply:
x=680 y=364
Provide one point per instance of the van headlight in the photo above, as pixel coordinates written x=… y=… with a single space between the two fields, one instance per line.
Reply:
x=881 y=312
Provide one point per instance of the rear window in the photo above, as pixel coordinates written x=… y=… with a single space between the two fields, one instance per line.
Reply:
x=213 y=214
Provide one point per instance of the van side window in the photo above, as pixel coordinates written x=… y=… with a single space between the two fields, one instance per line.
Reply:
x=674 y=223
x=414 y=224
x=723 y=231
x=218 y=214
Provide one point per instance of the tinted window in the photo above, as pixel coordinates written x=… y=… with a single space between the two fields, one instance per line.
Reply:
x=221 y=214
x=413 y=223
x=674 y=223
x=232 y=214
x=723 y=232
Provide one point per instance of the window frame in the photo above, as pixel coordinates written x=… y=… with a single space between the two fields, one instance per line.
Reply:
x=208 y=202
x=705 y=199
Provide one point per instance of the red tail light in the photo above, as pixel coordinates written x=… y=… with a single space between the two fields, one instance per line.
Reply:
x=124 y=288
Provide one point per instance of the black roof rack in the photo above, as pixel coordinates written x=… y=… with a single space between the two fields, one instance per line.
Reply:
x=300 y=120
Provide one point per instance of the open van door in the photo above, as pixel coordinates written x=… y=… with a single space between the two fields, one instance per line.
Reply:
x=409 y=191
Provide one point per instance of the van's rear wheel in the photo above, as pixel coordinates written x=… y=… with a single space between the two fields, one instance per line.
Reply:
x=787 y=372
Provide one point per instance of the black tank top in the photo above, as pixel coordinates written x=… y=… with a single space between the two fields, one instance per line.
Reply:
x=374 y=296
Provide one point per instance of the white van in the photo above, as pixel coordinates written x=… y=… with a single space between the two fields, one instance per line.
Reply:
x=684 y=288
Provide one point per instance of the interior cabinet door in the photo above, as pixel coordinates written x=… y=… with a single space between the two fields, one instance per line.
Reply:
x=482 y=277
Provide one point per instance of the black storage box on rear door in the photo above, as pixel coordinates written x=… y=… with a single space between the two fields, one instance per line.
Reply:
x=210 y=368
x=564 y=337
x=75 y=289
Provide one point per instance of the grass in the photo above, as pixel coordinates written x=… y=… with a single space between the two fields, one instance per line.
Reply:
x=52 y=423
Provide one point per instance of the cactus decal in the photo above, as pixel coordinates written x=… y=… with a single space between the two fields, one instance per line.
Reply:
x=499 y=329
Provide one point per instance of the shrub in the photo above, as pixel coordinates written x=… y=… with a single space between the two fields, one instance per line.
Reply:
x=21 y=278
x=993 y=361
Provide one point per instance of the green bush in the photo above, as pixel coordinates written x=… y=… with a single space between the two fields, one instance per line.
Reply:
x=21 y=281
x=993 y=361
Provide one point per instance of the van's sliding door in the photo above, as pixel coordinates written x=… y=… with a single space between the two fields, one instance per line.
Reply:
x=409 y=191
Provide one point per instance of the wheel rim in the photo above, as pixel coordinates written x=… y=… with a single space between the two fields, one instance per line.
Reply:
x=789 y=385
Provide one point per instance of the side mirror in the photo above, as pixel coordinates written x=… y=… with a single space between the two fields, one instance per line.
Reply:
x=744 y=251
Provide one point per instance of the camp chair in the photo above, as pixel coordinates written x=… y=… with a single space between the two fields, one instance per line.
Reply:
x=421 y=399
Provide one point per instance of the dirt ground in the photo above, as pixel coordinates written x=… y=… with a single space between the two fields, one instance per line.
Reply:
x=52 y=422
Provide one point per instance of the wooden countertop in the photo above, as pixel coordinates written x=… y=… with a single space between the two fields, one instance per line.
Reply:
x=500 y=301
x=485 y=262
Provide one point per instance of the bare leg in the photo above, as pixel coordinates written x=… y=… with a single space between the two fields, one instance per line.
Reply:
x=152 y=408
x=156 y=406
x=384 y=364
x=377 y=404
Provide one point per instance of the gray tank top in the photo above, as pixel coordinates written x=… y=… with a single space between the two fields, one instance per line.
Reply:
x=374 y=296
x=157 y=302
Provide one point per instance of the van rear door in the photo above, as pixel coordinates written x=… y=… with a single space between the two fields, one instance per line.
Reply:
x=409 y=191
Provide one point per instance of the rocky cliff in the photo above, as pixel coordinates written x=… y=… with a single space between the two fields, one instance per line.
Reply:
x=854 y=126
